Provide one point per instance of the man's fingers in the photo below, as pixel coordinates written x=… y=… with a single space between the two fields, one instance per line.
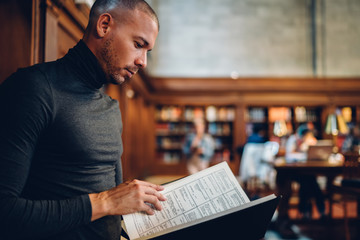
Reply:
x=153 y=202
x=135 y=195
x=152 y=189
x=156 y=193
x=148 y=209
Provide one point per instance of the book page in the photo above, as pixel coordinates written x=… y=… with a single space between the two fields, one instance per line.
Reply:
x=206 y=193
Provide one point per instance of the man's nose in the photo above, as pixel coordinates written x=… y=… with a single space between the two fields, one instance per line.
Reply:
x=141 y=61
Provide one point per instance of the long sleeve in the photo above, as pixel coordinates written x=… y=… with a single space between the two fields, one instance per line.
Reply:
x=24 y=115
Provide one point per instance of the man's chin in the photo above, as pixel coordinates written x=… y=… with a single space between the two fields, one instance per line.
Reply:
x=118 y=80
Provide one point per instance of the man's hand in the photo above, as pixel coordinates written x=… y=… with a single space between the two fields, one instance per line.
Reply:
x=128 y=197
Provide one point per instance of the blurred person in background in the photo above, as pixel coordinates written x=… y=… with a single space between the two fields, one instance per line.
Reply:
x=258 y=135
x=297 y=146
x=198 y=147
x=352 y=140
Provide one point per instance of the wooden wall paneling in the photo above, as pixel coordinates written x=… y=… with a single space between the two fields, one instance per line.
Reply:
x=137 y=84
x=239 y=135
x=261 y=98
x=15 y=42
x=346 y=98
x=51 y=34
x=66 y=42
x=196 y=99
x=140 y=131
x=148 y=137
x=78 y=14
x=133 y=137
x=73 y=30
x=126 y=134
x=64 y=27
x=37 y=32
x=69 y=33
x=84 y=8
x=264 y=84
x=286 y=99
x=126 y=156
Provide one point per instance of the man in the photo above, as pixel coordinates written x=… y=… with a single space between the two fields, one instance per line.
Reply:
x=60 y=144
x=297 y=146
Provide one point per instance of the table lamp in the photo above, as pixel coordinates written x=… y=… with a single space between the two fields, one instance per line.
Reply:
x=280 y=128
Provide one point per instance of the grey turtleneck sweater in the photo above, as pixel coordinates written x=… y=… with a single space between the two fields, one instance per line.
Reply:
x=60 y=139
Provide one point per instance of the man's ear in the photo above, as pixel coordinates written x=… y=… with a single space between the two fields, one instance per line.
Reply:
x=103 y=24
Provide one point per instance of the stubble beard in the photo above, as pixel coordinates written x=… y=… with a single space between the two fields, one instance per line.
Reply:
x=108 y=56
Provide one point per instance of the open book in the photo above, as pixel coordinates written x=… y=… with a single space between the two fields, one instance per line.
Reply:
x=210 y=204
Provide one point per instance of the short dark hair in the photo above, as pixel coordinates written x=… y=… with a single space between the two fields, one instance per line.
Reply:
x=257 y=128
x=103 y=6
x=303 y=132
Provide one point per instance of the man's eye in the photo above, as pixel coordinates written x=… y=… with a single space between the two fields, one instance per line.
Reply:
x=138 y=45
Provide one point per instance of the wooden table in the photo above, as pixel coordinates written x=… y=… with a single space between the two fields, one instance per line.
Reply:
x=288 y=172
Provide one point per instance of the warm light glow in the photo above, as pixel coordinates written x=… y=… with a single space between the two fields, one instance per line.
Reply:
x=130 y=93
x=279 y=114
x=234 y=75
x=280 y=128
x=346 y=112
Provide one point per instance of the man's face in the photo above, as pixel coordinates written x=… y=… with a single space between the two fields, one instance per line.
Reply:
x=125 y=50
x=200 y=128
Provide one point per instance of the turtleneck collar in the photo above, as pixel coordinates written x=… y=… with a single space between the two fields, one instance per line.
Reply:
x=86 y=65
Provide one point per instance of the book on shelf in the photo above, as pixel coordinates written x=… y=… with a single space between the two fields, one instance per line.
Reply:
x=168 y=113
x=256 y=115
x=210 y=204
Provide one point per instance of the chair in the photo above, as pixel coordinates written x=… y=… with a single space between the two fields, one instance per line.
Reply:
x=349 y=186
x=256 y=171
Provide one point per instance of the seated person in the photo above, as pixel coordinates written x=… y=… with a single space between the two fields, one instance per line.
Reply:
x=296 y=150
x=298 y=144
x=258 y=135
